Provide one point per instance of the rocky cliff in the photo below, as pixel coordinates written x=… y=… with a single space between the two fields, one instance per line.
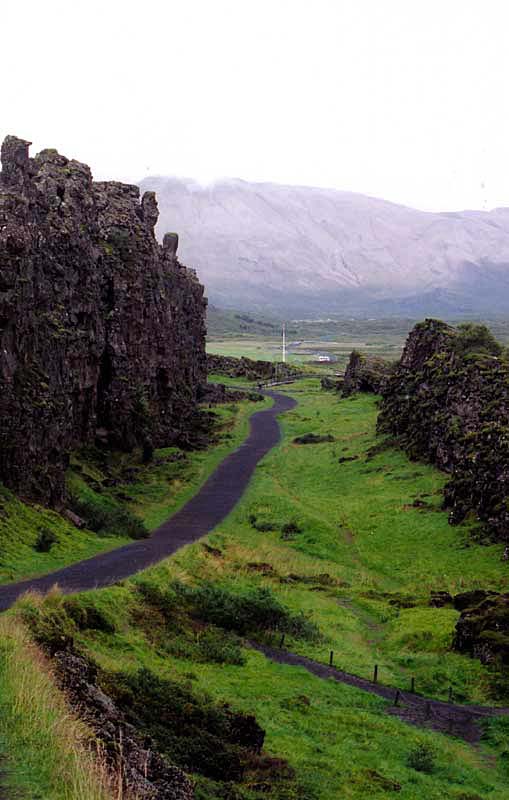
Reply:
x=250 y=369
x=448 y=402
x=101 y=328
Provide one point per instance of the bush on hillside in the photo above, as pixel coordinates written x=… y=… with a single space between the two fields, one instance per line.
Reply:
x=247 y=612
x=108 y=518
x=475 y=338
x=46 y=538
x=422 y=758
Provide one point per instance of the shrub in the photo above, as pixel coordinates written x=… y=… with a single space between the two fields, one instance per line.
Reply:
x=253 y=610
x=218 y=646
x=290 y=529
x=475 y=338
x=45 y=539
x=105 y=516
x=191 y=730
x=313 y=438
x=87 y=616
x=50 y=624
x=422 y=758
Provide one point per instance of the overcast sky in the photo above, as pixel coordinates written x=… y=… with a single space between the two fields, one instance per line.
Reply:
x=402 y=99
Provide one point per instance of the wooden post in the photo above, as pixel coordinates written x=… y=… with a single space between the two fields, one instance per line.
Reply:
x=412 y=685
x=449 y=725
x=428 y=710
x=375 y=674
x=396 y=698
x=450 y=694
x=281 y=643
x=331 y=658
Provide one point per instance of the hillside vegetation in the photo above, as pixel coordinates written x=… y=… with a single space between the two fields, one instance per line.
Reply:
x=338 y=545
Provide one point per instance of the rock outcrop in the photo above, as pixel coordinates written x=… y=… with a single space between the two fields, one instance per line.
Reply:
x=101 y=329
x=448 y=403
x=482 y=630
x=250 y=369
x=145 y=774
x=365 y=374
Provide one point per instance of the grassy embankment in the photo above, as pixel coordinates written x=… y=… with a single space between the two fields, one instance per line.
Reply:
x=48 y=752
x=343 y=542
x=151 y=492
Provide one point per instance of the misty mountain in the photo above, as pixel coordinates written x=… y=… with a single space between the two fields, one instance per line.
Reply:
x=301 y=250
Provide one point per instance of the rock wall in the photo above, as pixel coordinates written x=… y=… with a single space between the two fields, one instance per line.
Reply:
x=102 y=332
x=365 y=374
x=448 y=402
x=249 y=368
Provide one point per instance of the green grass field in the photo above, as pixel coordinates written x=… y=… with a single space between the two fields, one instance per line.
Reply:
x=360 y=559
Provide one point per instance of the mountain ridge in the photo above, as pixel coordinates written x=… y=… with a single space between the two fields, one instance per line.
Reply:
x=273 y=247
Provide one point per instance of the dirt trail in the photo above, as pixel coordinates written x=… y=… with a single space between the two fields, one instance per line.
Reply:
x=456 y=720
x=211 y=504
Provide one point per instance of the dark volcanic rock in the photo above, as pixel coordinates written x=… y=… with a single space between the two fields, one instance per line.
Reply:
x=101 y=329
x=482 y=630
x=217 y=393
x=331 y=384
x=448 y=403
x=365 y=374
x=144 y=772
x=248 y=368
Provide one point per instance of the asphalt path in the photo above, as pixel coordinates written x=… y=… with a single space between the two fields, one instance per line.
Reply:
x=462 y=721
x=206 y=509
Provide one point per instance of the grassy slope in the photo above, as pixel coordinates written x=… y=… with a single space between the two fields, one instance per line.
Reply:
x=49 y=751
x=157 y=491
x=359 y=527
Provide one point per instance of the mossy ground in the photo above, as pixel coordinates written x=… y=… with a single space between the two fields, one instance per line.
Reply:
x=361 y=559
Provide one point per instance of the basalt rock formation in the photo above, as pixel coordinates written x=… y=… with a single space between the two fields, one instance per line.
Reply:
x=482 y=630
x=365 y=374
x=448 y=402
x=145 y=773
x=250 y=369
x=101 y=329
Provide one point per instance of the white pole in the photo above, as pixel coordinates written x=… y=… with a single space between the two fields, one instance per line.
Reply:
x=284 y=342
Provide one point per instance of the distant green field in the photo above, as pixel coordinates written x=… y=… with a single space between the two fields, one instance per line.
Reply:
x=337 y=338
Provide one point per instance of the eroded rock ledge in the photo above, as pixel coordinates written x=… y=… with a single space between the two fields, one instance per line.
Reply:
x=102 y=332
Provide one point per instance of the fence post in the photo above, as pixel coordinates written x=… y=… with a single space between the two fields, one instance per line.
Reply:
x=375 y=674
x=428 y=710
x=450 y=694
x=412 y=685
x=396 y=698
x=331 y=658
x=281 y=643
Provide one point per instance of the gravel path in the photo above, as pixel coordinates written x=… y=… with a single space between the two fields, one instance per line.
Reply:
x=457 y=720
x=212 y=503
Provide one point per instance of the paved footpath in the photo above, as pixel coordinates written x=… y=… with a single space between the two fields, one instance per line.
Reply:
x=206 y=509
x=463 y=721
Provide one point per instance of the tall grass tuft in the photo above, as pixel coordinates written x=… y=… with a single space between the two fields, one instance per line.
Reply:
x=49 y=751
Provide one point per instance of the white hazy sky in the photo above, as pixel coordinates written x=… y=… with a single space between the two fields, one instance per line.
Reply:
x=402 y=99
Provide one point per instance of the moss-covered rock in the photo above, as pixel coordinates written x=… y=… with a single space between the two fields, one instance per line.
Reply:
x=365 y=374
x=448 y=403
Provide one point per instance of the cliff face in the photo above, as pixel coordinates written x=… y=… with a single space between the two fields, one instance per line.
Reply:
x=102 y=332
x=449 y=403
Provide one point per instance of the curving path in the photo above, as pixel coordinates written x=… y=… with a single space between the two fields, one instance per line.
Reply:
x=463 y=721
x=212 y=503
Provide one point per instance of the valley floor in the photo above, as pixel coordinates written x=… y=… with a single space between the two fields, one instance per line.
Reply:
x=352 y=534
